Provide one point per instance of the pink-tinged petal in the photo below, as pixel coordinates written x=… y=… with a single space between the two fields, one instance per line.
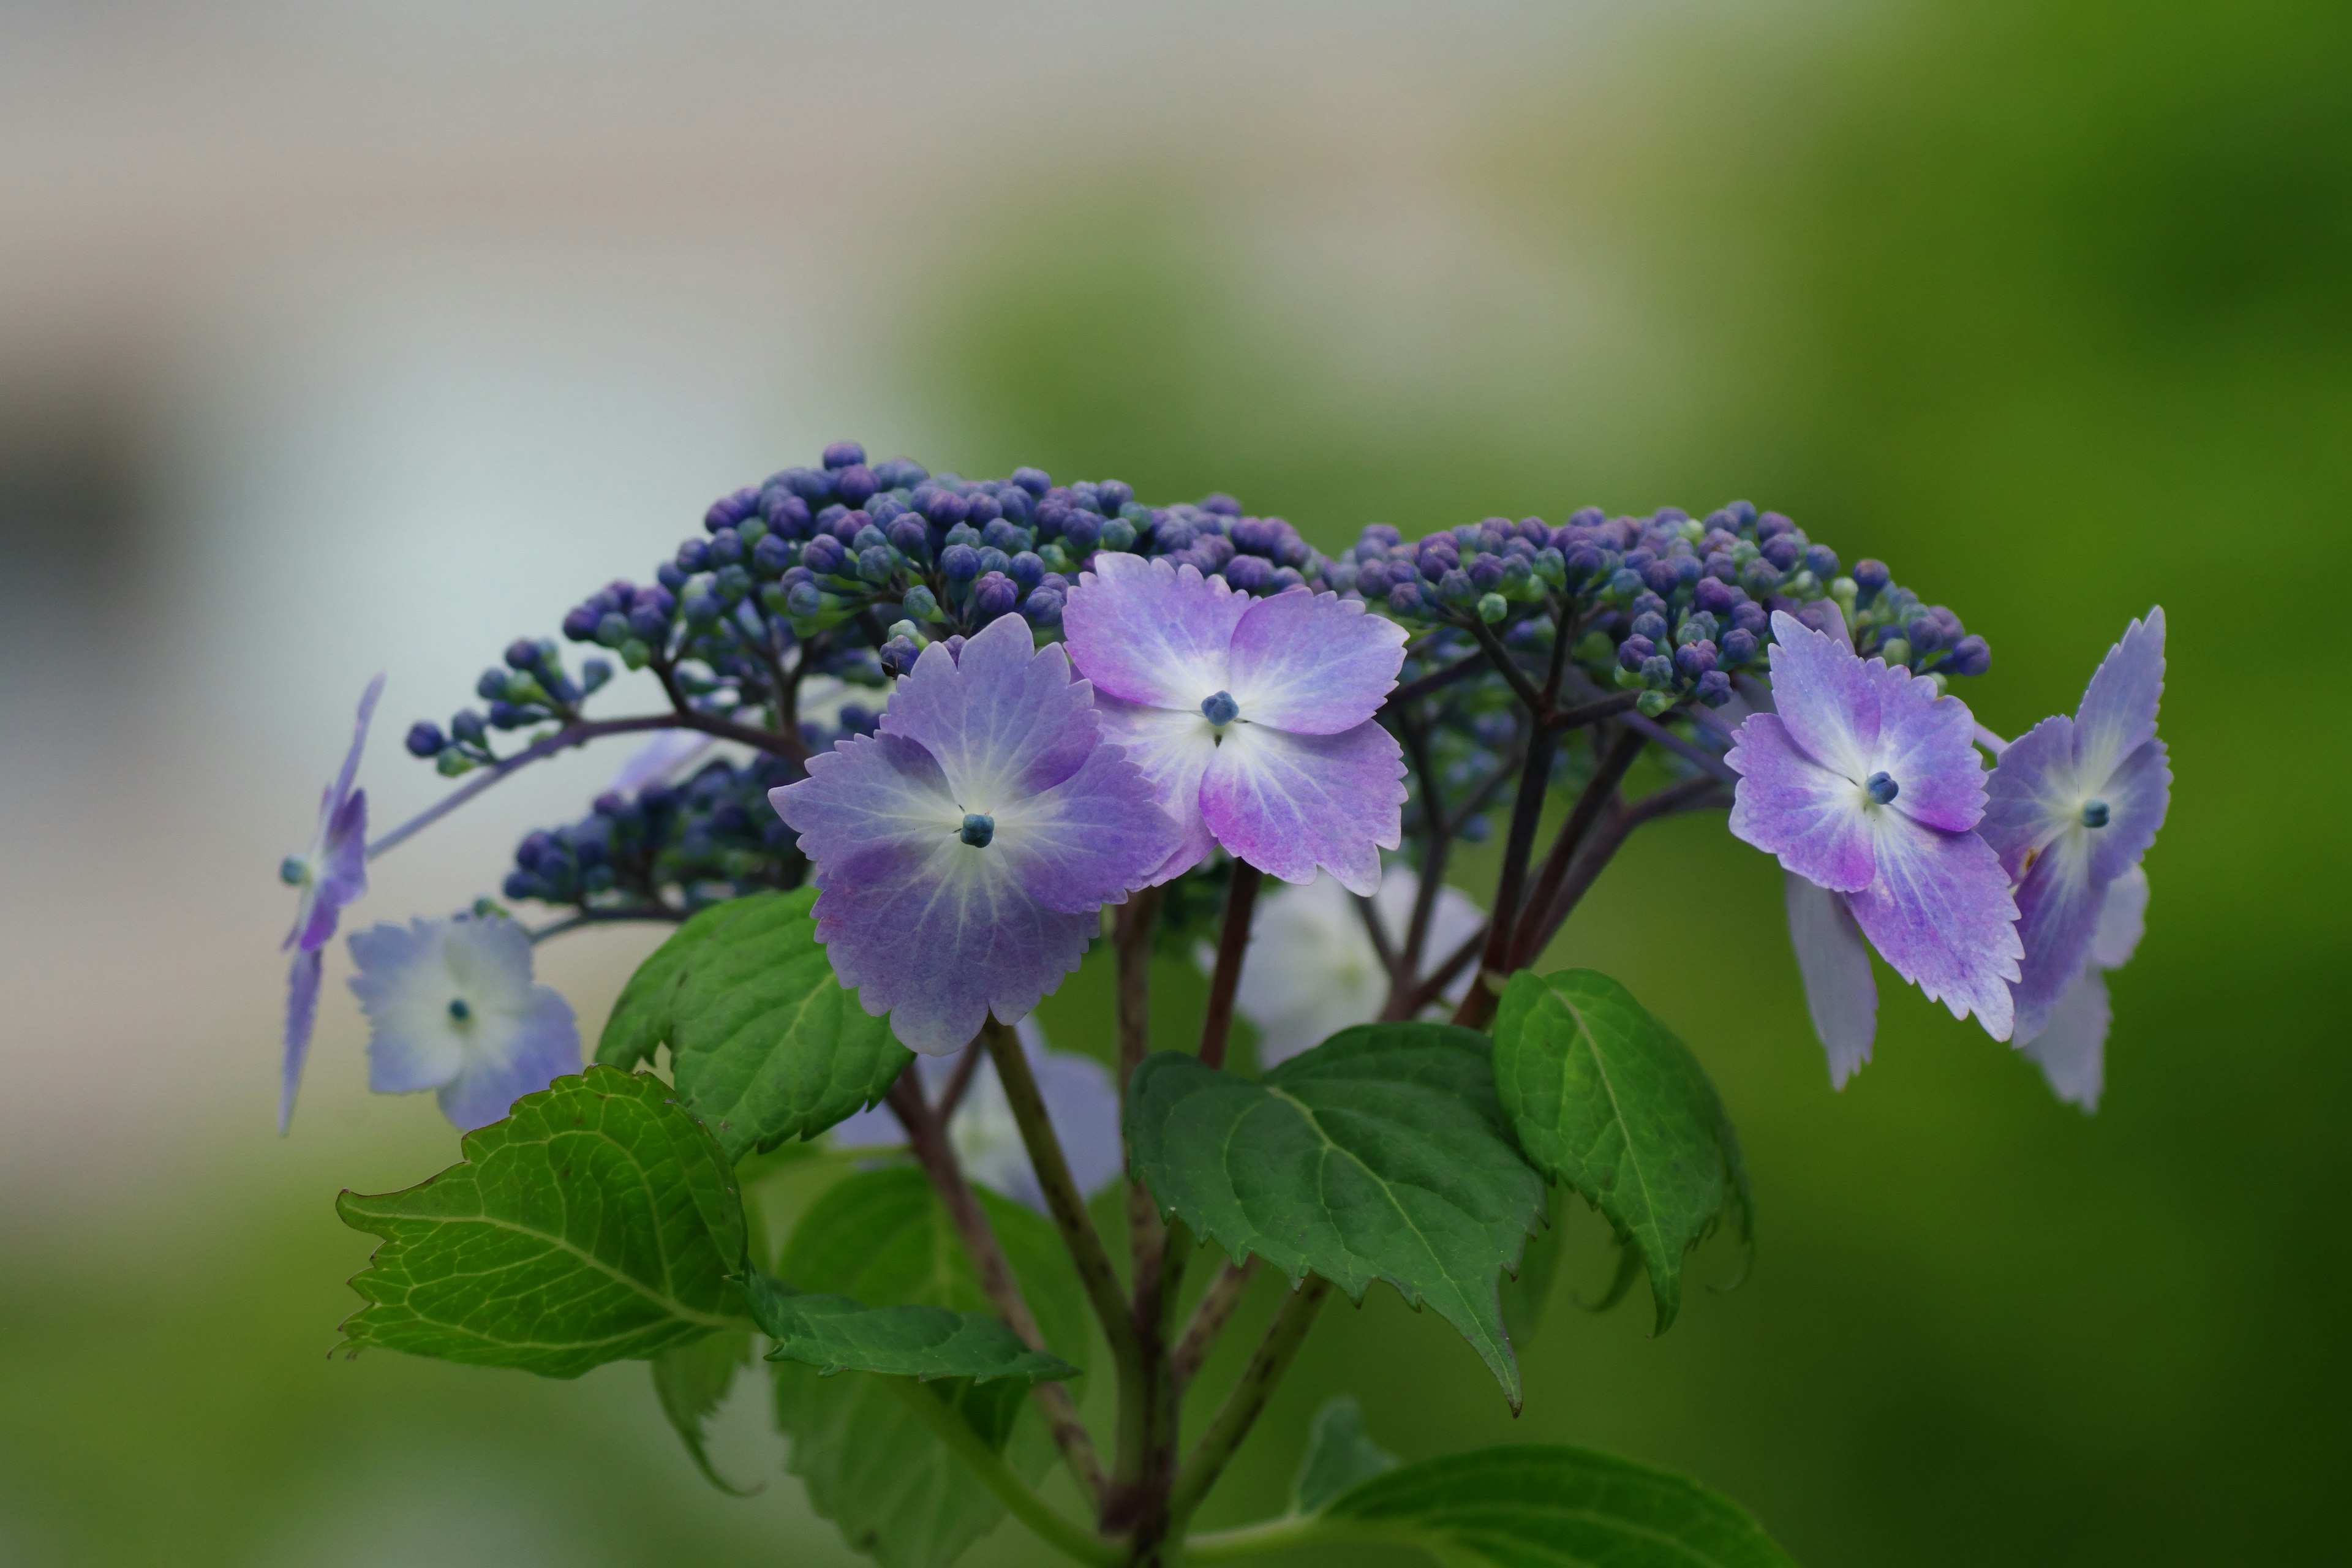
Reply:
x=543 y=1045
x=1940 y=913
x=869 y=795
x=1787 y=804
x=1313 y=664
x=1926 y=745
x=2137 y=795
x=2058 y=913
x=2123 y=920
x=2071 y=1049
x=1173 y=748
x=1002 y=720
x=1091 y=839
x=1290 y=803
x=2032 y=796
x=1152 y=633
x=2119 y=712
x=938 y=940
x=1824 y=695
x=1838 y=991
x=302 y=1017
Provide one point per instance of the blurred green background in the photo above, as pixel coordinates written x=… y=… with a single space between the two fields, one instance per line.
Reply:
x=2048 y=305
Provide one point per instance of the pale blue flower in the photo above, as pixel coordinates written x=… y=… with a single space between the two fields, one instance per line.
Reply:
x=451 y=1006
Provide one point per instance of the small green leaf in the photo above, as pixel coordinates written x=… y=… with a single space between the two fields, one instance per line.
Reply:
x=690 y=1380
x=1550 y=1508
x=870 y=1465
x=597 y=1221
x=833 y=1334
x=1339 y=1455
x=765 y=1043
x=1605 y=1098
x=1380 y=1154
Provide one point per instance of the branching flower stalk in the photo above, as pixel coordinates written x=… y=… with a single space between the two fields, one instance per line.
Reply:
x=922 y=733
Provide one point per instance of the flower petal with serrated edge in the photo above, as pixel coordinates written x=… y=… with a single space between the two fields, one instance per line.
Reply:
x=2071 y=1049
x=1825 y=697
x=1816 y=821
x=1313 y=664
x=1152 y=633
x=1172 y=749
x=1939 y=913
x=1002 y=719
x=1840 y=994
x=2117 y=715
x=1289 y=804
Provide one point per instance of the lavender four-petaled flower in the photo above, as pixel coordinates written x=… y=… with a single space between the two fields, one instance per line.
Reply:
x=1253 y=717
x=451 y=1006
x=963 y=852
x=2073 y=804
x=1865 y=785
x=331 y=874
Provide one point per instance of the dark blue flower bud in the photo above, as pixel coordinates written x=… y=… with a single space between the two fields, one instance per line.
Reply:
x=803 y=600
x=728 y=511
x=1250 y=574
x=1033 y=481
x=822 y=555
x=731 y=583
x=1751 y=618
x=1111 y=495
x=1026 y=569
x=519 y=884
x=943 y=507
x=1626 y=583
x=1738 y=647
x=960 y=562
x=900 y=473
x=1405 y=599
x=613 y=628
x=1970 y=656
x=995 y=595
x=993 y=559
x=1714 y=597
x=1044 y=606
x=857 y=484
x=648 y=624
x=1661 y=577
x=669 y=576
x=898 y=656
x=1117 y=535
x=842 y=454
x=693 y=556
x=1657 y=672
x=1456 y=588
x=1782 y=551
x=1650 y=624
x=919 y=604
x=982 y=509
x=868 y=537
x=1695 y=659
x=579 y=623
x=702 y=609
x=1822 y=562
x=785 y=512
x=469 y=727
x=1486 y=573
x=1715 y=688
x=1771 y=525
x=426 y=740
x=1926 y=633
x=1635 y=651
x=771 y=555
x=509 y=715
x=999 y=535
x=522 y=654
x=875 y=565
x=726 y=548
x=1373 y=580
x=911 y=538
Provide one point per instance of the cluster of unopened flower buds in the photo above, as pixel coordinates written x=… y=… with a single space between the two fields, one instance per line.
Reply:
x=533 y=687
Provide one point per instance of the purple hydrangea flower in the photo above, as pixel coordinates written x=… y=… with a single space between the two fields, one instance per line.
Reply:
x=2074 y=803
x=963 y=852
x=331 y=874
x=2071 y=1049
x=1080 y=1099
x=451 y=1006
x=1865 y=782
x=1253 y=717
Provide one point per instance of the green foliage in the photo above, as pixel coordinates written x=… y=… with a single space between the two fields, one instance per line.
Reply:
x=1339 y=1455
x=690 y=1380
x=869 y=1464
x=597 y=1221
x=1605 y=1098
x=1380 y=1154
x=835 y=1333
x=765 y=1043
x=1550 y=1508
x=1525 y=1293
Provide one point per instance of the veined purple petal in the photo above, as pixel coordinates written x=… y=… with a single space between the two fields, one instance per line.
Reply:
x=350 y=770
x=452 y=1007
x=1840 y=994
x=1825 y=697
x=1152 y=633
x=1925 y=743
x=543 y=1045
x=1002 y=720
x=1939 y=913
x=1815 y=821
x=2123 y=920
x=2136 y=795
x=2058 y=913
x=302 y=1017
x=1173 y=748
x=2032 y=796
x=2118 y=711
x=410 y=1044
x=1313 y=664
x=1289 y=804
x=2071 y=1049
x=1087 y=840
x=339 y=873
x=870 y=795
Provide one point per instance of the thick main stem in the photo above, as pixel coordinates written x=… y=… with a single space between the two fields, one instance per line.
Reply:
x=929 y=1143
x=1240 y=1411
x=1233 y=943
x=1527 y=813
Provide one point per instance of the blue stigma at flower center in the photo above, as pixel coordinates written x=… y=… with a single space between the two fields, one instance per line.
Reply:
x=979 y=827
x=460 y=1009
x=1220 y=709
x=2095 y=814
x=1881 y=788
x=293 y=870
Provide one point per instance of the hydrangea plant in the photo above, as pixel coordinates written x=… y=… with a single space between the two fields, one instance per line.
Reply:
x=923 y=746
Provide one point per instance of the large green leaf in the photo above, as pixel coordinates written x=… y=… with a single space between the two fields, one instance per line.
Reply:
x=690 y=1380
x=598 y=1221
x=835 y=1333
x=1380 y=1154
x=1549 y=1507
x=765 y=1043
x=1604 y=1097
x=869 y=1464
x=1339 y=1455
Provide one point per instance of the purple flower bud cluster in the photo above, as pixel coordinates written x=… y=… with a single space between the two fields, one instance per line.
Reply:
x=676 y=844
x=531 y=686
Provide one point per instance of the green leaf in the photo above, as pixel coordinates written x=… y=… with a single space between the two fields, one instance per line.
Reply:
x=1339 y=1455
x=835 y=1333
x=690 y=1380
x=765 y=1043
x=1525 y=1293
x=869 y=1464
x=1604 y=1097
x=597 y=1221
x=1550 y=1508
x=1380 y=1154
